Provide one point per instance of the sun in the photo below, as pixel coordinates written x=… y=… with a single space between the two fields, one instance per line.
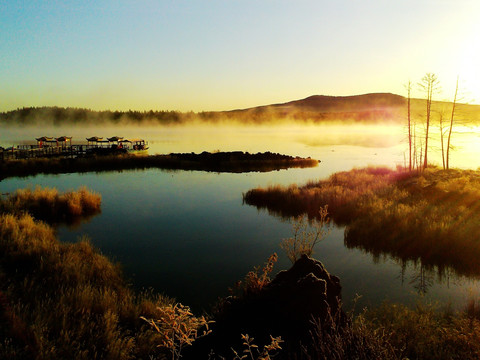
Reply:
x=469 y=72
x=466 y=63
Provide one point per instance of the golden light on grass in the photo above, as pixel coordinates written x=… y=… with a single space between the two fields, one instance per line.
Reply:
x=432 y=216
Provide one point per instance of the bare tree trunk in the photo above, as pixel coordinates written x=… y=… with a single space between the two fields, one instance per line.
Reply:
x=441 y=139
x=429 y=84
x=429 y=106
x=415 y=164
x=451 y=125
x=409 y=87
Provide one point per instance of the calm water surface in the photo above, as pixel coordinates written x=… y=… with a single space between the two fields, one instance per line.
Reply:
x=187 y=233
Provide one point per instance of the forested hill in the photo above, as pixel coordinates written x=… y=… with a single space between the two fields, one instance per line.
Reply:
x=368 y=108
x=323 y=103
x=378 y=107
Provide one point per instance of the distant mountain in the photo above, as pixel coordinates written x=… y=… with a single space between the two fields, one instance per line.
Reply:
x=367 y=108
x=323 y=103
x=378 y=107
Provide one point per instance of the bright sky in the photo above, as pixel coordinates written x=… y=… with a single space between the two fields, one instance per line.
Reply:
x=227 y=54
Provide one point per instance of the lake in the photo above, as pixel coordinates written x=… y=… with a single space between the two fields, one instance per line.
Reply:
x=188 y=234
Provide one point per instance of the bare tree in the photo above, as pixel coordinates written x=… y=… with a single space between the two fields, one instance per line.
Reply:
x=451 y=125
x=442 y=135
x=416 y=162
x=429 y=84
x=409 y=88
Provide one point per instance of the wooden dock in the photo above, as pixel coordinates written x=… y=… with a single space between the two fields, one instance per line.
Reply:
x=47 y=147
x=34 y=151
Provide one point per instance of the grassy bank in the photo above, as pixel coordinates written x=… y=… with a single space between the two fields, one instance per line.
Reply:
x=217 y=162
x=432 y=216
x=65 y=301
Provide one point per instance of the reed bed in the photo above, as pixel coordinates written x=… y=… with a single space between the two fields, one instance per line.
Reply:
x=49 y=205
x=432 y=216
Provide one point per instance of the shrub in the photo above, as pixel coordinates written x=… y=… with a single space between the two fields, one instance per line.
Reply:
x=304 y=237
x=178 y=328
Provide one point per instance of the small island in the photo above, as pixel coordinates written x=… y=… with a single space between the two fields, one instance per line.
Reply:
x=233 y=162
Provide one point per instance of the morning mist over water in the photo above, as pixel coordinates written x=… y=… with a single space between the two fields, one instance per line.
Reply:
x=388 y=142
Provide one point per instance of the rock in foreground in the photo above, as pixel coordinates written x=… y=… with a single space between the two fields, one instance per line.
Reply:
x=285 y=307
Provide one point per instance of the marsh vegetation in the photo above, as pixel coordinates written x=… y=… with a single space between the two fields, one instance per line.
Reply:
x=47 y=204
x=430 y=217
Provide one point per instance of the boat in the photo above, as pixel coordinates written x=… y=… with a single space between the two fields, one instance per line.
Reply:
x=135 y=146
x=115 y=145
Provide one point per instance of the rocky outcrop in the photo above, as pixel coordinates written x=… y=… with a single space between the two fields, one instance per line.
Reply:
x=285 y=307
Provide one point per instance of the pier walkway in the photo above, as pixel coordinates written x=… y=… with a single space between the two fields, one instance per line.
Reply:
x=34 y=151
x=63 y=147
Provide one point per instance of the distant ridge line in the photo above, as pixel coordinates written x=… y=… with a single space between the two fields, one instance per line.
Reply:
x=327 y=102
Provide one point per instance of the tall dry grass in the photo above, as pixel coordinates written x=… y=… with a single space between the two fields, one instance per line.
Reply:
x=397 y=332
x=49 y=205
x=67 y=301
x=432 y=216
x=340 y=192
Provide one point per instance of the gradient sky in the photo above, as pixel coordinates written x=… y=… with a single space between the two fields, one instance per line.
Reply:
x=228 y=54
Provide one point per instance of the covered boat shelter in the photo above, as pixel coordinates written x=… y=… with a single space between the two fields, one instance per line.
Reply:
x=96 y=141
x=45 y=141
x=64 y=141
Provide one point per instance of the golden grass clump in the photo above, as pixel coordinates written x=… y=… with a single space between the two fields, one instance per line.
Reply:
x=49 y=205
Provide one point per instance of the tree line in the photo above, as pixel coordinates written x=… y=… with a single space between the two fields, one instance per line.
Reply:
x=69 y=115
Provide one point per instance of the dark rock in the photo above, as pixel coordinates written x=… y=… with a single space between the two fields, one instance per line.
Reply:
x=285 y=307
